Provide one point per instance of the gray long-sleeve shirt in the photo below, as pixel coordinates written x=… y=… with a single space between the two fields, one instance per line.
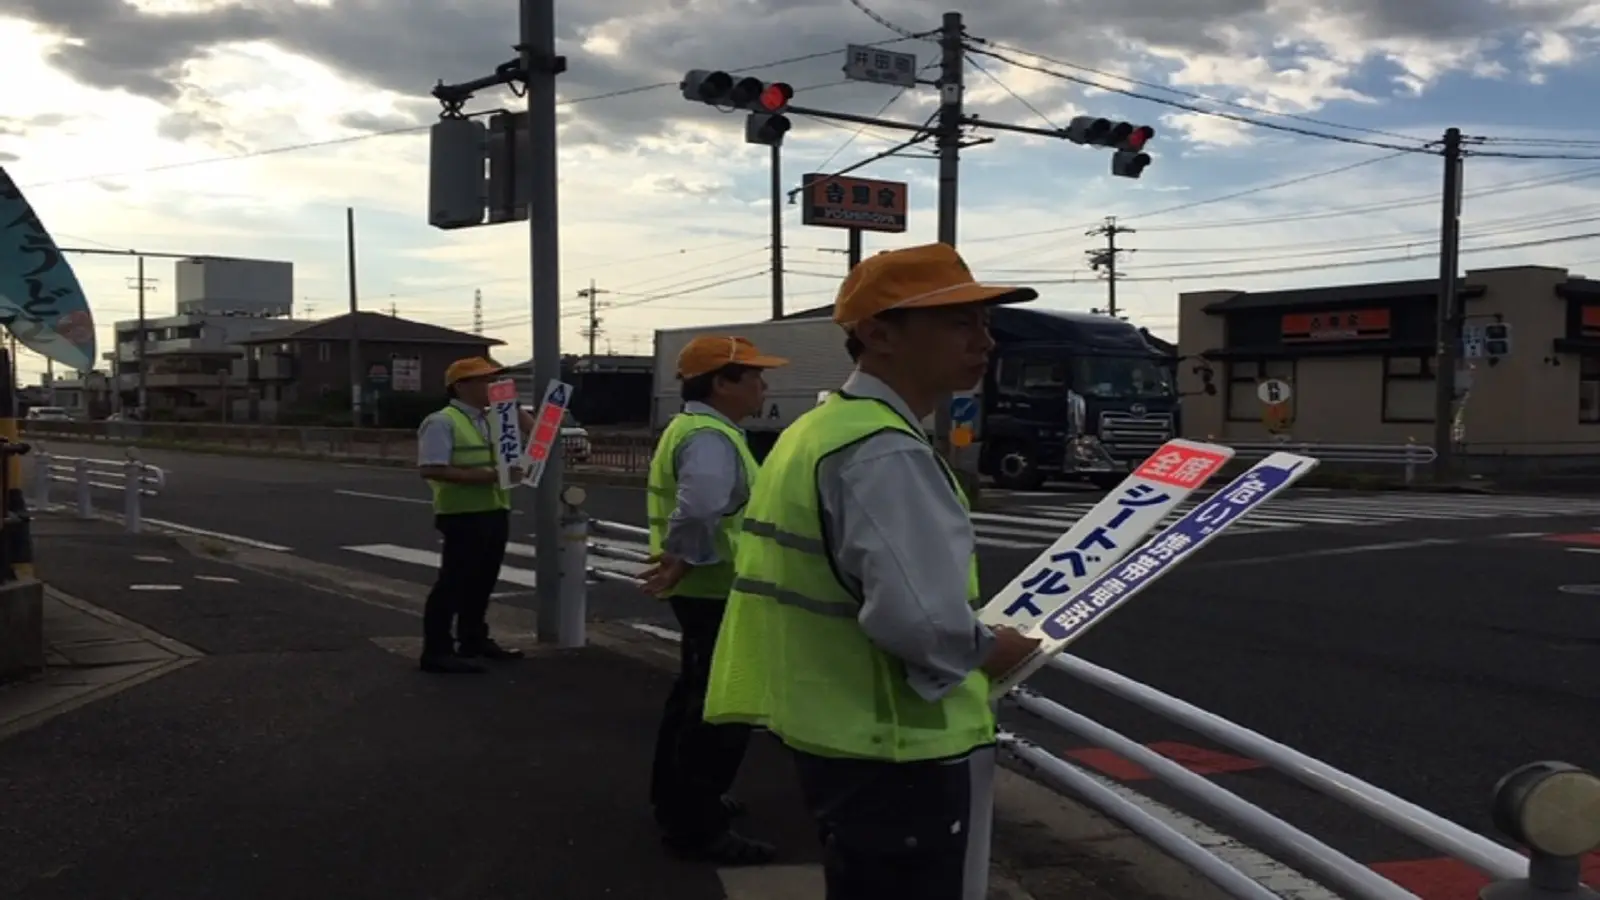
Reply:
x=898 y=531
x=711 y=484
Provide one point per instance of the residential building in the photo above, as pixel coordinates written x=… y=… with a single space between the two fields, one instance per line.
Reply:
x=1359 y=362
x=302 y=372
x=85 y=396
x=185 y=362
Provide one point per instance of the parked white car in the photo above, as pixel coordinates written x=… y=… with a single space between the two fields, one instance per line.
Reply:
x=574 y=437
x=48 y=414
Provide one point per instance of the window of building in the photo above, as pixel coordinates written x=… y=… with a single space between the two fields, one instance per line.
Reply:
x=1245 y=376
x=1589 y=388
x=324 y=352
x=1408 y=385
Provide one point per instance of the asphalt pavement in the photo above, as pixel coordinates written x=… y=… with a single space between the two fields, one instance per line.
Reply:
x=1422 y=642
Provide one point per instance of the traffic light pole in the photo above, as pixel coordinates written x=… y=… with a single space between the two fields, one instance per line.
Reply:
x=777 y=231
x=1447 y=316
x=952 y=84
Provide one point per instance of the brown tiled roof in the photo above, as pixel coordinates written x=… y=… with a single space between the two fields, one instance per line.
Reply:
x=371 y=326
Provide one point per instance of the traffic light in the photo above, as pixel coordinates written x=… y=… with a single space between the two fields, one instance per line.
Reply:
x=1127 y=139
x=765 y=128
x=718 y=88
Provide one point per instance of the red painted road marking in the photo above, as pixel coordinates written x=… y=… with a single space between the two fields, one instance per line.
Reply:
x=1198 y=760
x=1449 y=879
x=1589 y=538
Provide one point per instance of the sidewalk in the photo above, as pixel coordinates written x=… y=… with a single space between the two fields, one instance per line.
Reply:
x=304 y=756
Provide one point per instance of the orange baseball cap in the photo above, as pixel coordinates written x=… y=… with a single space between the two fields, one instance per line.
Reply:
x=916 y=278
x=471 y=367
x=708 y=354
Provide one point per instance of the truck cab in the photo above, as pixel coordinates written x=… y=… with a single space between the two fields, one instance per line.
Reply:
x=1072 y=395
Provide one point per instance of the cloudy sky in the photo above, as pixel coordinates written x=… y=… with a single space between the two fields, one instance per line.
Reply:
x=1290 y=150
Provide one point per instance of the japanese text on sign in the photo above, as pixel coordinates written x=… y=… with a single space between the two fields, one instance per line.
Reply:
x=507 y=433
x=841 y=202
x=1050 y=581
x=1167 y=548
x=546 y=429
x=880 y=66
x=1184 y=467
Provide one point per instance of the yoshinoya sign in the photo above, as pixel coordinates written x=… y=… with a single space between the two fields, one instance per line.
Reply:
x=835 y=201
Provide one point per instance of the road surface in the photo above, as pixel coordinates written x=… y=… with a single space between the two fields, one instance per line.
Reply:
x=1423 y=642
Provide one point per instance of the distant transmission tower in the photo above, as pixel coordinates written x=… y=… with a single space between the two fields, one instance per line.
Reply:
x=477 y=312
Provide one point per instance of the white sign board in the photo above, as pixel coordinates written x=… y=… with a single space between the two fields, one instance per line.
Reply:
x=507 y=433
x=546 y=429
x=405 y=373
x=880 y=66
x=1274 y=390
x=1472 y=341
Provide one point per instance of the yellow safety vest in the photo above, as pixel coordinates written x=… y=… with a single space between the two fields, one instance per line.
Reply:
x=791 y=656
x=470 y=451
x=712 y=581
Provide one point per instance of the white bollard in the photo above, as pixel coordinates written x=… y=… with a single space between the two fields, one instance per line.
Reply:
x=573 y=593
x=85 y=503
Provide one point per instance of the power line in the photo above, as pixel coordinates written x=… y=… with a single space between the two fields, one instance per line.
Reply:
x=412 y=129
x=1190 y=107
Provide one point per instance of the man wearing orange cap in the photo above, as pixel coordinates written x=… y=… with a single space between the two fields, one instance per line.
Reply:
x=852 y=631
x=700 y=478
x=472 y=512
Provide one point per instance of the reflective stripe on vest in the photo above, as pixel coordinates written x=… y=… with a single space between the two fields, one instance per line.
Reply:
x=791 y=656
x=469 y=450
x=712 y=581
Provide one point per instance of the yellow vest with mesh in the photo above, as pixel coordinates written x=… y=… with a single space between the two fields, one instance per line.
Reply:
x=791 y=656
x=712 y=581
x=470 y=451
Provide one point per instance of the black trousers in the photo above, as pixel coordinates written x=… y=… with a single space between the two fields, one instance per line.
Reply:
x=469 y=568
x=695 y=761
x=919 y=829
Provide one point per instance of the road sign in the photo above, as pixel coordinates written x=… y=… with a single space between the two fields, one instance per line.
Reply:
x=963 y=409
x=1472 y=341
x=880 y=66
x=865 y=204
x=1273 y=391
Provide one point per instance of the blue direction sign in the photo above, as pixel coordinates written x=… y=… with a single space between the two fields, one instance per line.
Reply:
x=964 y=410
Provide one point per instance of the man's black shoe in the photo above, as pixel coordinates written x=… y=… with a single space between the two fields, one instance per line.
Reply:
x=726 y=849
x=449 y=665
x=487 y=649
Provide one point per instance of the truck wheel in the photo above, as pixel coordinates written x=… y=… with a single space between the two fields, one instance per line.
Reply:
x=1015 y=469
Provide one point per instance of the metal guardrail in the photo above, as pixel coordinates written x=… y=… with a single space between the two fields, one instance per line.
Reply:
x=1540 y=874
x=134 y=478
x=1410 y=454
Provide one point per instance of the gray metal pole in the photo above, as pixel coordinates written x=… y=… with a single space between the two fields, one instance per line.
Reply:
x=777 y=232
x=1111 y=270
x=853 y=254
x=355 y=319
x=144 y=408
x=951 y=87
x=1447 y=317
x=544 y=261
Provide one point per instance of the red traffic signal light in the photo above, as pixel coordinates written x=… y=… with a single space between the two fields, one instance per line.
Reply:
x=776 y=96
x=1138 y=137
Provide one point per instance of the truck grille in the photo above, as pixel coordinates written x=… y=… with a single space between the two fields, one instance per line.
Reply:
x=1129 y=436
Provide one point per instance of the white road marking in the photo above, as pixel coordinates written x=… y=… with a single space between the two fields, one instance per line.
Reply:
x=218 y=579
x=155 y=587
x=1259 y=867
x=430 y=558
x=220 y=535
x=390 y=497
x=154 y=559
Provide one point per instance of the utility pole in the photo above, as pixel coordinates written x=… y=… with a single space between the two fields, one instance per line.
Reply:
x=777 y=233
x=140 y=284
x=592 y=331
x=1107 y=259
x=1448 y=316
x=355 y=318
x=952 y=85
x=477 y=312
x=524 y=152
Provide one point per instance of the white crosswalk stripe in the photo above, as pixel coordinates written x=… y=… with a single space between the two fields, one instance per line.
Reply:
x=1035 y=526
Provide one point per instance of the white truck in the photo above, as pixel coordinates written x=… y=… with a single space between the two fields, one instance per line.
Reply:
x=1067 y=395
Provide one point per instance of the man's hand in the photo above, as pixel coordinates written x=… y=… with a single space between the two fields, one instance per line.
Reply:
x=517 y=473
x=664 y=575
x=1010 y=648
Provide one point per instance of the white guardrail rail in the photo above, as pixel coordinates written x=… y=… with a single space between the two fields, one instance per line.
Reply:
x=1410 y=454
x=1550 y=808
x=134 y=479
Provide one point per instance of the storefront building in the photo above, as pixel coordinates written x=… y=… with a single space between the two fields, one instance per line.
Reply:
x=1359 y=364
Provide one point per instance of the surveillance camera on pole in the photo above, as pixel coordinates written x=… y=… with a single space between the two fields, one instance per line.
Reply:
x=1127 y=140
